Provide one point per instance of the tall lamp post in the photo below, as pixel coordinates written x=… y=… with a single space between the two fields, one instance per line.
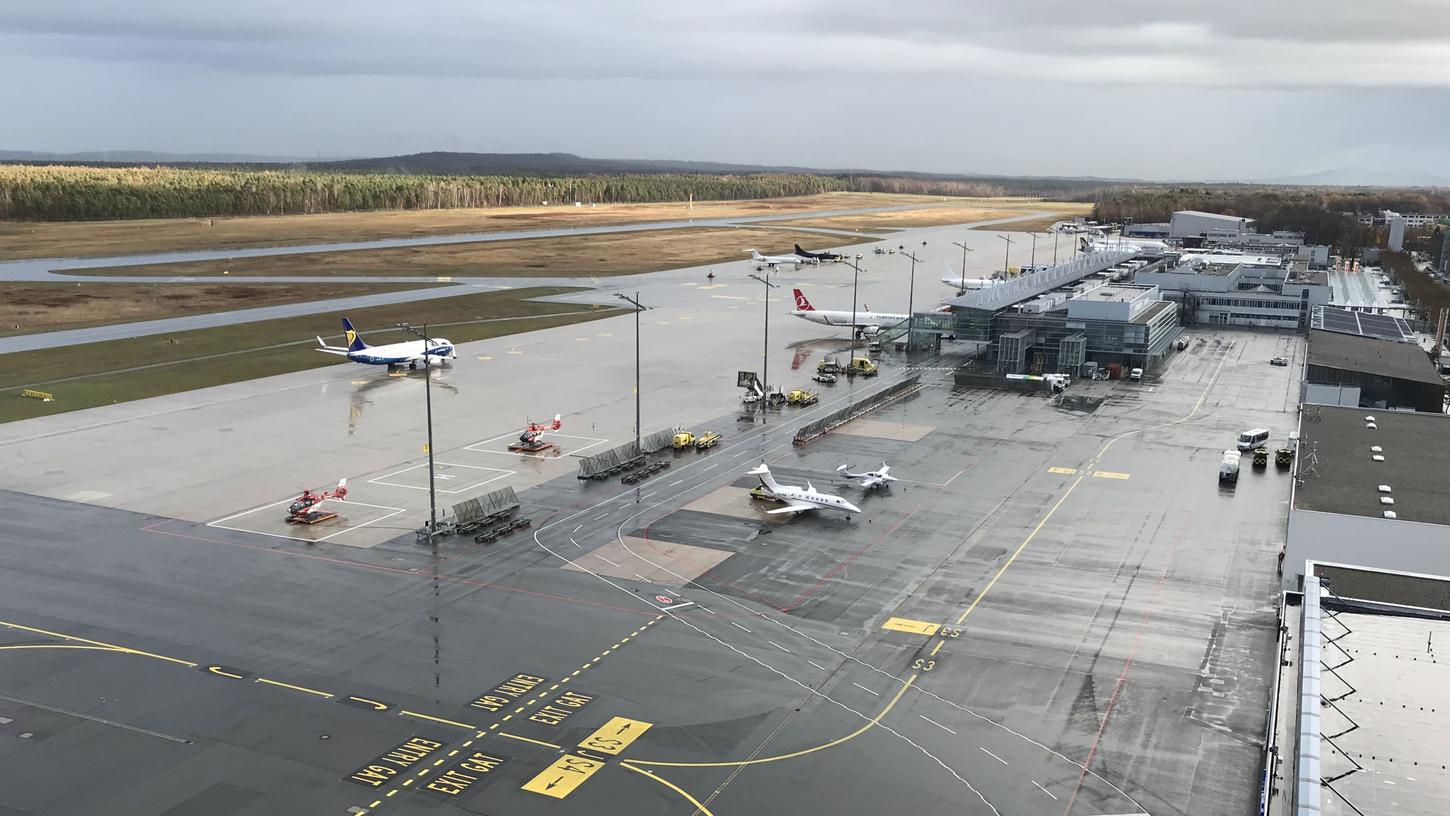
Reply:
x=1055 y=236
x=1007 y=258
x=765 y=346
x=1033 y=263
x=855 y=280
x=634 y=301
x=428 y=402
x=965 y=250
x=910 y=300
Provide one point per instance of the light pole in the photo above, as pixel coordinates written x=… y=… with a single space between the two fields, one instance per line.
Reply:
x=910 y=300
x=1007 y=258
x=428 y=402
x=1033 y=263
x=634 y=301
x=855 y=280
x=765 y=346
x=1055 y=236
x=965 y=250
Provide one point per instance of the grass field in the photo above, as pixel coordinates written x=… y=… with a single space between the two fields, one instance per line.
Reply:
x=603 y=255
x=956 y=212
x=1031 y=224
x=26 y=308
x=91 y=238
x=124 y=370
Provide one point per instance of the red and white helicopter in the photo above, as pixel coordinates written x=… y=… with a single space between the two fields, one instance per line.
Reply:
x=531 y=439
x=309 y=508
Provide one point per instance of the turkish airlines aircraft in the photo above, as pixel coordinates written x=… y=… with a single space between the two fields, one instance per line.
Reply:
x=865 y=321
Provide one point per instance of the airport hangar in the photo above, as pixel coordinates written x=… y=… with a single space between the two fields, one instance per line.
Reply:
x=1058 y=318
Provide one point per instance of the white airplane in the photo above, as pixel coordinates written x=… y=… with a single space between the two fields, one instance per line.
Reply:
x=1117 y=242
x=800 y=499
x=962 y=283
x=773 y=261
x=411 y=354
x=867 y=322
x=871 y=479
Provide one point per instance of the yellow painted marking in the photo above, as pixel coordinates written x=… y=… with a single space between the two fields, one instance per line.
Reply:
x=529 y=739
x=1108 y=474
x=62 y=646
x=792 y=755
x=96 y=643
x=1063 y=471
x=484 y=357
x=1104 y=449
x=515 y=350
x=393 y=792
x=454 y=752
x=437 y=762
x=374 y=703
x=444 y=279
x=910 y=626
x=672 y=786
x=507 y=717
x=615 y=735
x=407 y=782
x=405 y=712
x=43 y=396
x=937 y=647
x=376 y=803
x=560 y=779
x=359 y=382
x=302 y=689
x=217 y=670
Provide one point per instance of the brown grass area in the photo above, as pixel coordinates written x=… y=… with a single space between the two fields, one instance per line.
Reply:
x=603 y=255
x=37 y=307
x=1031 y=224
x=956 y=212
x=93 y=238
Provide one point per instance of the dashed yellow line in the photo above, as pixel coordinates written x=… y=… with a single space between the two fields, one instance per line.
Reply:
x=75 y=639
x=302 y=689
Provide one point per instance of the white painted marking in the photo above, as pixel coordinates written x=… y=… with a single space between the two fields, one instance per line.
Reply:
x=607 y=561
x=709 y=467
x=675 y=482
x=647 y=495
x=868 y=691
x=623 y=506
x=575 y=543
x=576 y=529
x=1044 y=790
x=937 y=724
x=778 y=646
x=817 y=665
x=218 y=523
x=707 y=609
x=738 y=626
x=992 y=755
x=383 y=479
x=600 y=516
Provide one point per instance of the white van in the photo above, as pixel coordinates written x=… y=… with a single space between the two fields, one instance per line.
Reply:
x=1248 y=440
x=1228 y=469
x=1136 y=374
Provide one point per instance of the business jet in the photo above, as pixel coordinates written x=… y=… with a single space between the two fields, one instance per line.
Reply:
x=410 y=354
x=774 y=261
x=800 y=499
x=866 y=322
x=962 y=283
x=871 y=479
x=817 y=256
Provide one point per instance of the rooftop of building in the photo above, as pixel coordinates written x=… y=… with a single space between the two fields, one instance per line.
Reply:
x=1202 y=214
x=1116 y=293
x=1386 y=711
x=1371 y=355
x=1336 y=471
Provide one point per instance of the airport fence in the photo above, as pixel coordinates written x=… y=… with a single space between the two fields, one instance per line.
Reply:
x=618 y=458
x=830 y=422
x=490 y=505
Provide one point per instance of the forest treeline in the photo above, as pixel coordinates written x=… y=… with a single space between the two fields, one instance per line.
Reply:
x=1316 y=212
x=1426 y=295
x=68 y=193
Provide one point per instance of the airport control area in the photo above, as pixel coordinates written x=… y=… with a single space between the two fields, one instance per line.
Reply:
x=838 y=571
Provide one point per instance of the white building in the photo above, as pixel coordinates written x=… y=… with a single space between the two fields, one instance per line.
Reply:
x=1240 y=290
x=1192 y=224
x=1396 y=223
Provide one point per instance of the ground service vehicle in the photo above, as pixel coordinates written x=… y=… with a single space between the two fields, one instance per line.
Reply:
x=682 y=440
x=1279 y=361
x=802 y=397
x=1283 y=458
x=862 y=366
x=824 y=377
x=759 y=492
x=707 y=440
x=1136 y=374
x=1248 y=440
x=1261 y=458
x=1182 y=343
x=1228 y=469
x=828 y=366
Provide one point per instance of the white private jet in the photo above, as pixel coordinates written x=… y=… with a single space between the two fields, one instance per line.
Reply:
x=800 y=499
x=866 y=322
x=962 y=283
x=773 y=261
x=411 y=354
x=871 y=479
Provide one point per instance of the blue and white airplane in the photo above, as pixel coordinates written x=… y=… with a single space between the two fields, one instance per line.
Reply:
x=411 y=354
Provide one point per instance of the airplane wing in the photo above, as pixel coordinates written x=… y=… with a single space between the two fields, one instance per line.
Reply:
x=872 y=481
x=793 y=507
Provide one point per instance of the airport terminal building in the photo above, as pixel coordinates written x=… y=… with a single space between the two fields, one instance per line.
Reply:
x=1217 y=289
x=1368 y=372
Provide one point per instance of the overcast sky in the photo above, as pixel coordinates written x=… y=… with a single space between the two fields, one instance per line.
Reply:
x=1187 y=89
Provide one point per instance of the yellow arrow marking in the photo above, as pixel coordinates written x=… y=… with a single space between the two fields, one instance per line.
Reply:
x=615 y=735
x=1063 y=471
x=1108 y=474
x=561 y=778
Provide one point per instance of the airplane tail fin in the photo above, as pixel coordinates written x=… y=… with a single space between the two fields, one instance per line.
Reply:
x=754 y=255
x=354 y=340
x=801 y=252
x=764 y=473
x=801 y=303
x=846 y=469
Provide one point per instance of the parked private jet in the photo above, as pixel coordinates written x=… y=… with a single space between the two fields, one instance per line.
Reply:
x=800 y=499
x=410 y=354
x=871 y=479
x=773 y=261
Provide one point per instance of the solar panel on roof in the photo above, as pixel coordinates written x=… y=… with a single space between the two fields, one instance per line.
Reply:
x=1363 y=324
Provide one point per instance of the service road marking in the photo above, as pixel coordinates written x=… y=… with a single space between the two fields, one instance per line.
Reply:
x=817 y=665
x=1108 y=474
x=738 y=626
x=863 y=688
x=910 y=626
x=942 y=727
x=616 y=735
x=577 y=529
x=601 y=516
x=1044 y=790
x=563 y=776
x=778 y=646
x=1063 y=471
x=992 y=755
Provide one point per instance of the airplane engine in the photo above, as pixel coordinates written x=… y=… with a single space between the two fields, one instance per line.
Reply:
x=870 y=331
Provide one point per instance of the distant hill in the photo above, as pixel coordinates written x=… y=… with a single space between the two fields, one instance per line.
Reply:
x=141 y=157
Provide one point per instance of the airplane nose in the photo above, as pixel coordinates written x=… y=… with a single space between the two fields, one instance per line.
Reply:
x=853 y=508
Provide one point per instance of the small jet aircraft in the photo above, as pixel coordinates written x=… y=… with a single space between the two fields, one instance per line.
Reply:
x=962 y=283
x=774 y=261
x=410 y=354
x=800 y=499
x=816 y=256
x=871 y=479
x=866 y=322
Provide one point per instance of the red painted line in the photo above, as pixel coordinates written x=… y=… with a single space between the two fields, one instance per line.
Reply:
x=455 y=579
x=1117 y=687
